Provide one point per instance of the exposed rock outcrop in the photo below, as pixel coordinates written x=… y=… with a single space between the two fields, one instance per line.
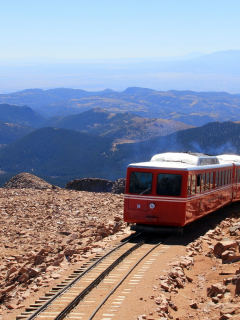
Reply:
x=28 y=181
x=97 y=185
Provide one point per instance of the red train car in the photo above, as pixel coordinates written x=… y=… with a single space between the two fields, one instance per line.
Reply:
x=235 y=160
x=174 y=189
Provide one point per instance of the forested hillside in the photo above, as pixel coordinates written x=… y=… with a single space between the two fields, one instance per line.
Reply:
x=62 y=155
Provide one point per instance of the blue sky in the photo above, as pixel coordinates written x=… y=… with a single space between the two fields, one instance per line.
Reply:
x=117 y=29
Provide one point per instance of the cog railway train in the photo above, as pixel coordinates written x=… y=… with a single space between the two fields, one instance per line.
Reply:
x=174 y=189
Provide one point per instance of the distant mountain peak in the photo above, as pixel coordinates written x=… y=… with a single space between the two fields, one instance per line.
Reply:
x=137 y=90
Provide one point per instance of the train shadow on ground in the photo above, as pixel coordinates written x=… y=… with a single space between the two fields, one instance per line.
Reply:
x=199 y=227
x=192 y=231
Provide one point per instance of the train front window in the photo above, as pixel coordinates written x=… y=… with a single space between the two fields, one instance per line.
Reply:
x=169 y=184
x=140 y=182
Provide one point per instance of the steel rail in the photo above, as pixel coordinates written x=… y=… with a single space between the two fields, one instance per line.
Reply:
x=75 y=301
x=121 y=281
x=68 y=286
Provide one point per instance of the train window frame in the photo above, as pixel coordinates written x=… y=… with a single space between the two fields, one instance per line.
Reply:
x=220 y=178
x=169 y=185
x=207 y=181
x=145 y=190
x=216 y=179
x=198 y=185
x=189 y=185
x=193 y=186
x=203 y=182
x=211 y=180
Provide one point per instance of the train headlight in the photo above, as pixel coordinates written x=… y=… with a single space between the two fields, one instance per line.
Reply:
x=152 y=205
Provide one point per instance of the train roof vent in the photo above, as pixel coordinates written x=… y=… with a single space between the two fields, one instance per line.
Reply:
x=196 y=159
x=229 y=157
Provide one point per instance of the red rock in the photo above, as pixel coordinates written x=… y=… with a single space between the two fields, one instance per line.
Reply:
x=229 y=256
x=179 y=283
x=23 y=270
x=237 y=289
x=194 y=305
x=34 y=288
x=226 y=317
x=10 y=305
x=11 y=271
x=165 y=285
x=33 y=272
x=222 y=246
x=216 y=289
x=7 y=289
x=228 y=308
x=172 y=305
x=69 y=252
x=38 y=259
x=23 y=278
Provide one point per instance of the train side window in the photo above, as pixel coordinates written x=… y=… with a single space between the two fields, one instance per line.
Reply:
x=226 y=177
x=220 y=179
x=198 y=183
x=211 y=180
x=236 y=175
x=140 y=182
x=203 y=187
x=216 y=179
x=169 y=184
x=189 y=184
x=207 y=181
x=223 y=177
x=193 y=184
x=238 y=180
x=230 y=176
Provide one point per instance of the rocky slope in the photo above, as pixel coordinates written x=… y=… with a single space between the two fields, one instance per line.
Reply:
x=27 y=180
x=44 y=231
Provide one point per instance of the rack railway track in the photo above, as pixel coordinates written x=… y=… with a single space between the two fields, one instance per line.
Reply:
x=83 y=293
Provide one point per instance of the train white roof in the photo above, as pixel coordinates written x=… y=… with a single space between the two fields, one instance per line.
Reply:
x=229 y=157
x=181 y=161
x=196 y=159
x=176 y=165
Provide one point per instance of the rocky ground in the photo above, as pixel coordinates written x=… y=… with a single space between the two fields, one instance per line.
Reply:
x=44 y=231
x=47 y=232
x=204 y=283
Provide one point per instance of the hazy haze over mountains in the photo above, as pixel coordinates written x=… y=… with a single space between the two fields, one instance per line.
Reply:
x=218 y=71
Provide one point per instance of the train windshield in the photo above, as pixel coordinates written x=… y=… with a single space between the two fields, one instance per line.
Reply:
x=169 y=184
x=140 y=182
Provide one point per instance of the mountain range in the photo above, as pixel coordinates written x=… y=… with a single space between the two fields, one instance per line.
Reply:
x=192 y=108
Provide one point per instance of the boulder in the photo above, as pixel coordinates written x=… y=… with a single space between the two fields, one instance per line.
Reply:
x=216 y=289
x=222 y=246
